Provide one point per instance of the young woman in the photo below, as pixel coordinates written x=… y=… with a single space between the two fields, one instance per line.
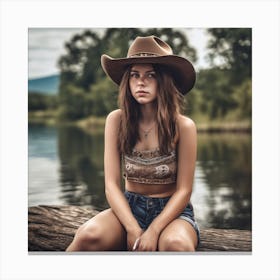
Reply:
x=154 y=146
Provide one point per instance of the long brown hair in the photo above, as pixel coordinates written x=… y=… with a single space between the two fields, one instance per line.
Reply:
x=169 y=104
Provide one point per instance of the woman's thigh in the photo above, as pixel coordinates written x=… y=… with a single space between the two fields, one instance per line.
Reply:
x=179 y=235
x=102 y=232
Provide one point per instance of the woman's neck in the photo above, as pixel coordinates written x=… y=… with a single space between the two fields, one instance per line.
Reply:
x=148 y=113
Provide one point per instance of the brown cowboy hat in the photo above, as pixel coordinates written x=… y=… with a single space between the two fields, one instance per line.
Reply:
x=151 y=49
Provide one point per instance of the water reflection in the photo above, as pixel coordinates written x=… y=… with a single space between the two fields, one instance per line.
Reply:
x=224 y=165
x=81 y=167
x=66 y=167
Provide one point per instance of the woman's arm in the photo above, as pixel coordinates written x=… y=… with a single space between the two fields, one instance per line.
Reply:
x=187 y=146
x=112 y=170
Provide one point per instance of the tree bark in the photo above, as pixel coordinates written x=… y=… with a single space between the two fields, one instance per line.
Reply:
x=52 y=228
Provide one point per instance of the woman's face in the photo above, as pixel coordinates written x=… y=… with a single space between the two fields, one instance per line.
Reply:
x=143 y=83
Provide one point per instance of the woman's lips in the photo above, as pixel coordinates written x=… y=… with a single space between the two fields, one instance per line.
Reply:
x=141 y=92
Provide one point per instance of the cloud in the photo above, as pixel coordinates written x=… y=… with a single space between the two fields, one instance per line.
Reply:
x=45 y=46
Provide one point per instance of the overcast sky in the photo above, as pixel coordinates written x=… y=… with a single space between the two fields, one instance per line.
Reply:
x=45 y=45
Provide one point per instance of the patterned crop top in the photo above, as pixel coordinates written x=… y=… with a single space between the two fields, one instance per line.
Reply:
x=150 y=167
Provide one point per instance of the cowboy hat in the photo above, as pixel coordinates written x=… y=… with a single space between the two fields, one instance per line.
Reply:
x=152 y=50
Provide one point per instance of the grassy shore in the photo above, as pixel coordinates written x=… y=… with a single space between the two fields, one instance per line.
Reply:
x=93 y=124
x=221 y=126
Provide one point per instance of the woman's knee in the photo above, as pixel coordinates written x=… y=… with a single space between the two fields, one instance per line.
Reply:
x=176 y=243
x=87 y=238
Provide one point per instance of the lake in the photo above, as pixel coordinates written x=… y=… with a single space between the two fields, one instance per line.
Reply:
x=65 y=167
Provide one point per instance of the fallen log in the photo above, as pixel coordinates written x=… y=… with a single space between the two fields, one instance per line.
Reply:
x=52 y=228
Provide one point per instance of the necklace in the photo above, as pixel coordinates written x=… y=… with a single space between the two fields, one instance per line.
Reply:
x=146 y=132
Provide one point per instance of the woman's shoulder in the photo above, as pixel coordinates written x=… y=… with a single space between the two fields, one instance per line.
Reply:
x=186 y=129
x=114 y=116
x=185 y=123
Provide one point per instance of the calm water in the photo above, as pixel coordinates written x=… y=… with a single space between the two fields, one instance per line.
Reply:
x=66 y=167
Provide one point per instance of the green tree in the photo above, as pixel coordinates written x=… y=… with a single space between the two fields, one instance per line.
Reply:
x=233 y=47
x=38 y=101
x=103 y=97
x=73 y=103
x=81 y=63
x=242 y=94
x=215 y=85
x=223 y=86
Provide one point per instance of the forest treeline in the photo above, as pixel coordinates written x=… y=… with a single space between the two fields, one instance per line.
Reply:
x=224 y=89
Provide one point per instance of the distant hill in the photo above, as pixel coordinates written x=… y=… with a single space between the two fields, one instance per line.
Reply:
x=46 y=85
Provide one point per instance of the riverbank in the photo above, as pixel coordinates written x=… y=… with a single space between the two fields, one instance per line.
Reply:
x=50 y=118
x=94 y=124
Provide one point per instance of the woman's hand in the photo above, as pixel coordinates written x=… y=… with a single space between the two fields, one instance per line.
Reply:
x=132 y=236
x=148 y=241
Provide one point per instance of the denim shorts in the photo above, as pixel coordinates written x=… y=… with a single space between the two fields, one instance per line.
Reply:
x=145 y=209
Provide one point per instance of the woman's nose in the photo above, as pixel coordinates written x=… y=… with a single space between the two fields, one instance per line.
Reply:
x=141 y=79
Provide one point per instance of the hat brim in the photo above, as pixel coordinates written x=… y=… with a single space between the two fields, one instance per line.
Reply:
x=181 y=69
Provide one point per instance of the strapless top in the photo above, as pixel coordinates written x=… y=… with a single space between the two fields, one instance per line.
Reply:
x=150 y=167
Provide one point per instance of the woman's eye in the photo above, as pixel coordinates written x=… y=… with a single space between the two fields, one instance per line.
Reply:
x=134 y=75
x=152 y=75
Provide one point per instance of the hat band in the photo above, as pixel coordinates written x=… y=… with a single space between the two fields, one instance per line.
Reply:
x=143 y=54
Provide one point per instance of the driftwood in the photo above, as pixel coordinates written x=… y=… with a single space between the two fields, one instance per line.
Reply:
x=52 y=228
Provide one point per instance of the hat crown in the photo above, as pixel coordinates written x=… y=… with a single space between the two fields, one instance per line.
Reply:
x=149 y=46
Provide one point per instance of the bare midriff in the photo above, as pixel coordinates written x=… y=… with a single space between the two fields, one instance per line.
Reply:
x=152 y=190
